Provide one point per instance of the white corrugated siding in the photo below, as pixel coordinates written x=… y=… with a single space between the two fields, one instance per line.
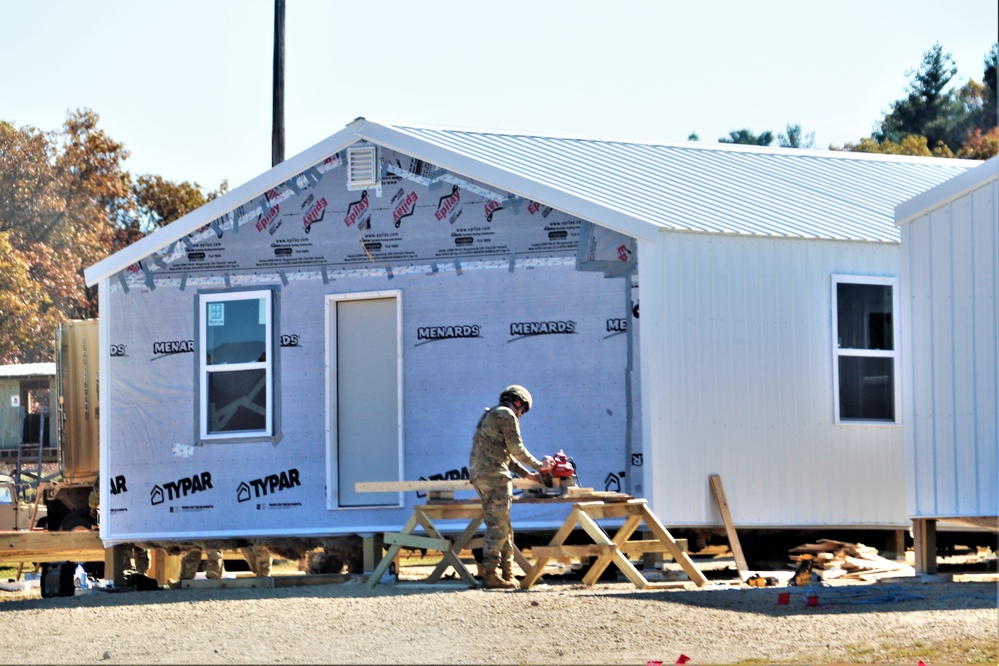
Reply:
x=950 y=291
x=749 y=394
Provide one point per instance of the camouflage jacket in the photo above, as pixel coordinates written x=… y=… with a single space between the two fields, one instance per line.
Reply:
x=497 y=447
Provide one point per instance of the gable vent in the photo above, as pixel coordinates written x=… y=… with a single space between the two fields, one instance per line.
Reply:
x=362 y=167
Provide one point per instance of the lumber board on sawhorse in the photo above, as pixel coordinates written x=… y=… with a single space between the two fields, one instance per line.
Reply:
x=428 y=486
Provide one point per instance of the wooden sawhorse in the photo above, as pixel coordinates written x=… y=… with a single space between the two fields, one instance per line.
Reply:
x=612 y=549
x=424 y=516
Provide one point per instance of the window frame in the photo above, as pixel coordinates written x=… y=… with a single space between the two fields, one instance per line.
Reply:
x=895 y=353
x=271 y=431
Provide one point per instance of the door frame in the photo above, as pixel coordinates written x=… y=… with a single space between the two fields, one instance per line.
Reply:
x=332 y=426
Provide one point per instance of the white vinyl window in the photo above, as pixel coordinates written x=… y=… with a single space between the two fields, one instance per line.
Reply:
x=865 y=353
x=236 y=365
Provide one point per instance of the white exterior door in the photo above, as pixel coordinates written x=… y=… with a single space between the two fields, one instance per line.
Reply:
x=364 y=359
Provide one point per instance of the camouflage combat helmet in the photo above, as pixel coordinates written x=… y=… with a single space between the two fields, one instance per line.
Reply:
x=519 y=393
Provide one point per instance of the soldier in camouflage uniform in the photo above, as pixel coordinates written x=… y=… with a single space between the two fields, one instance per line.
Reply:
x=497 y=449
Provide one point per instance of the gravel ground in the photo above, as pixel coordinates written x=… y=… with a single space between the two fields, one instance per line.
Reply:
x=895 y=621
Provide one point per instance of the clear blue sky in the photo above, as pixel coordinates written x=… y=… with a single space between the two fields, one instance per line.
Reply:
x=186 y=84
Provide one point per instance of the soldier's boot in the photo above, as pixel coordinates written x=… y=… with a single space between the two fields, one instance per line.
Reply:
x=262 y=567
x=492 y=581
x=213 y=565
x=189 y=564
x=480 y=570
x=259 y=559
x=506 y=569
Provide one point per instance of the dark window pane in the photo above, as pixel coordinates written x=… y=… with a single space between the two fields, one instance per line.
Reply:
x=865 y=316
x=866 y=388
x=237 y=401
x=235 y=332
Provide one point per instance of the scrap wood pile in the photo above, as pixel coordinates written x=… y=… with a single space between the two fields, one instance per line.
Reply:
x=831 y=559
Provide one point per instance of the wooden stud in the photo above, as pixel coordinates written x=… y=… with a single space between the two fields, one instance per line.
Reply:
x=449 y=556
x=924 y=538
x=625 y=531
x=733 y=537
x=456 y=548
x=563 y=533
x=417 y=541
x=116 y=561
x=372 y=546
x=429 y=486
x=163 y=567
x=581 y=550
x=679 y=555
x=600 y=510
x=389 y=557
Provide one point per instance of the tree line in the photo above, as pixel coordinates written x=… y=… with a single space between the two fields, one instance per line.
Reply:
x=66 y=201
x=933 y=119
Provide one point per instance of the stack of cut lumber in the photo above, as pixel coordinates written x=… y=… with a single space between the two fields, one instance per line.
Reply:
x=848 y=561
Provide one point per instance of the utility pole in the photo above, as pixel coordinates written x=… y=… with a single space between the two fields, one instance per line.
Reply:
x=277 y=133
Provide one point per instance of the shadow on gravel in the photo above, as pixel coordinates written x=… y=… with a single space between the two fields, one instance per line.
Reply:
x=880 y=598
x=883 y=597
x=353 y=589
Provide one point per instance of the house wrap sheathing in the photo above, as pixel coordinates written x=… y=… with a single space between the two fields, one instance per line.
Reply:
x=677 y=311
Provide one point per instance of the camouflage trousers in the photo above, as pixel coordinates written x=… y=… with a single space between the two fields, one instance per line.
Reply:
x=140 y=559
x=191 y=561
x=259 y=559
x=496 y=493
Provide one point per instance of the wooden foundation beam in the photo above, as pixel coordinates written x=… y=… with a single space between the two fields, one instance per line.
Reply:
x=924 y=543
x=76 y=546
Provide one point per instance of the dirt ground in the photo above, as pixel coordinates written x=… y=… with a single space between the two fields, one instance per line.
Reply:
x=901 y=620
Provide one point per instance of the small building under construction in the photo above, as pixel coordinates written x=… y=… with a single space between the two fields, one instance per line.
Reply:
x=677 y=311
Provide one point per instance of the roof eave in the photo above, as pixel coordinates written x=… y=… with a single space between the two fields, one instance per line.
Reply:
x=388 y=137
x=501 y=179
x=947 y=191
x=214 y=209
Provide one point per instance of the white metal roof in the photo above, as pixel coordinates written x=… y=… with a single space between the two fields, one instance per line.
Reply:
x=721 y=188
x=635 y=188
x=947 y=191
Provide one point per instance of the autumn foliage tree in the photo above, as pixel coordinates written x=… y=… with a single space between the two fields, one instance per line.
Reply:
x=937 y=119
x=66 y=202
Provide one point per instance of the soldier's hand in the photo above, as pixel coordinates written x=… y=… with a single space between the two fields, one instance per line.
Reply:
x=547 y=463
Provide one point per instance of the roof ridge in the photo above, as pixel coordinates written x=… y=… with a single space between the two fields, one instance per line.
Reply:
x=681 y=145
